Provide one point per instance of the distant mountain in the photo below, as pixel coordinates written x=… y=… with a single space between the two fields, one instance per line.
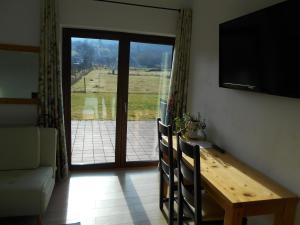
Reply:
x=95 y=52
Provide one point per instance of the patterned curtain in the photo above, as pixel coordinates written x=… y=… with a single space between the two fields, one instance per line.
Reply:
x=50 y=85
x=179 y=79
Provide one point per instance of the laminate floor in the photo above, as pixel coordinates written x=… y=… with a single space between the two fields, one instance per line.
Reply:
x=120 y=197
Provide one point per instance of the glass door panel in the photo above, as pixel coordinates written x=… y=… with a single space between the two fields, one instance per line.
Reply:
x=94 y=77
x=149 y=79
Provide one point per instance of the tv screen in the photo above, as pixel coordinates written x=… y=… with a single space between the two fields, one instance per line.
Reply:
x=261 y=51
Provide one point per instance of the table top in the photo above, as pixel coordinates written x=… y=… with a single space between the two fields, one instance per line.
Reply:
x=234 y=180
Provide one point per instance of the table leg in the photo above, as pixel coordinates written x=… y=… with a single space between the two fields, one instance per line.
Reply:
x=233 y=216
x=286 y=216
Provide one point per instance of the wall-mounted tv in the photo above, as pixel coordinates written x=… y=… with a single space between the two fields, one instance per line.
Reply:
x=261 y=51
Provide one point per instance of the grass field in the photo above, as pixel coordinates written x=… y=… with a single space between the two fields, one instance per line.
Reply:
x=94 y=95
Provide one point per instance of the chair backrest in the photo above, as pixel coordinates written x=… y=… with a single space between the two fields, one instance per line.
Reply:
x=189 y=179
x=165 y=148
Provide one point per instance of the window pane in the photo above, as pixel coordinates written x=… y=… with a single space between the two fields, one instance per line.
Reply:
x=94 y=76
x=149 y=79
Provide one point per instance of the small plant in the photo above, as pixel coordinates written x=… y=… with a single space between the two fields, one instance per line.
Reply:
x=191 y=124
x=179 y=123
x=186 y=119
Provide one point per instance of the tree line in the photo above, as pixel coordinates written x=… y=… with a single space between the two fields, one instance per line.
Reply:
x=89 y=53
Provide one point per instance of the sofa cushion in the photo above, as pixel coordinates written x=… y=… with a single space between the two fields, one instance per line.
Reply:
x=19 y=148
x=25 y=192
x=48 y=141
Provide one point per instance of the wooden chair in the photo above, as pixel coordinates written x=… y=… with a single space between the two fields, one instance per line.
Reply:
x=202 y=208
x=166 y=167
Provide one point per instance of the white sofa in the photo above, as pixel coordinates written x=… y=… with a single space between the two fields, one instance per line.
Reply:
x=27 y=170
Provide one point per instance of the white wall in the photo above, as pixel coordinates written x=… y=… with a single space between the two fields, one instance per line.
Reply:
x=115 y=17
x=20 y=115
x=261 y=130
x=19 y=24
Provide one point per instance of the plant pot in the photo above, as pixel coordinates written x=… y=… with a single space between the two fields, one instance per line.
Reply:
x=194 y=130
x=202 y=135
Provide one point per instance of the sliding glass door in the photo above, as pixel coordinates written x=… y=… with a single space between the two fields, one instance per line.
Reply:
x=149 y=79
x=94 y=77
x=114 y=86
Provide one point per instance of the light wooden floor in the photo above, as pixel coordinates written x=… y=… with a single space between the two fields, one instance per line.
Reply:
x=104 y=198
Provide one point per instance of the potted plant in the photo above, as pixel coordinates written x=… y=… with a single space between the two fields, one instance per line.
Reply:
x=194 y=126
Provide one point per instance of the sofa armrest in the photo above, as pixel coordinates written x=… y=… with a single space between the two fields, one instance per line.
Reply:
x=48 y=141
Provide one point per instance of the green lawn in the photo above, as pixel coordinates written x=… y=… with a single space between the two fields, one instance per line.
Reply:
x=99 y=101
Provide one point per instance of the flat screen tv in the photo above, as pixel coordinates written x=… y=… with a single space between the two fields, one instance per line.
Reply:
x=261 y=51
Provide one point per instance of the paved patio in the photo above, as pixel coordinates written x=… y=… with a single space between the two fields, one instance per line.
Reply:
x=93 y=141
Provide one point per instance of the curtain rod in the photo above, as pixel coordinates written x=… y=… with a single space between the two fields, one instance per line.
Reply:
x=139 y=5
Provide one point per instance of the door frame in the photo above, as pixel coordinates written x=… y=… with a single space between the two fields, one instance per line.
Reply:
x=122 y=89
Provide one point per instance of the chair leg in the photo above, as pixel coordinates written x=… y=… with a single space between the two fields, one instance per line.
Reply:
x=161 y=186
x=171 y=205
x=39 y=220
x=180 y=210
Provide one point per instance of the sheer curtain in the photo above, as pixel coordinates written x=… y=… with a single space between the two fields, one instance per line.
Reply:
x=177 y=102
x=50 y=112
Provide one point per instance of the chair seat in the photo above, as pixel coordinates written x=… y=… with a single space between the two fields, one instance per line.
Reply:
x=210 y=209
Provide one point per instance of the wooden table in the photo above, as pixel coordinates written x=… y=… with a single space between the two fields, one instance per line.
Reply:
x=243 y=191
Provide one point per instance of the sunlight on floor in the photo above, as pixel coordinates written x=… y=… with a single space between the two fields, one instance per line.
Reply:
x=85 y=192
x=115 y=198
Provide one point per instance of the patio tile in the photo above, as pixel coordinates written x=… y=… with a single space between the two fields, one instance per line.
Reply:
x=76 y=154
x=145 y=157
x=88 y=158
x=102 y=160
x=89 y=154
x=110 y=159
x=130 y=155
x=88 y=144
x=139 y=150
x=77 y=146
x=99 y=152
x=94 y=141
x=132 y=158
x=99 y=156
